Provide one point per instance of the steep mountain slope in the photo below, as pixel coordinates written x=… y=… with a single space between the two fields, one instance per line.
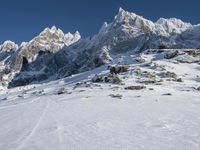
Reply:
x=54 y=54
x=133 y=85
x=47 y=42
x=128 y=33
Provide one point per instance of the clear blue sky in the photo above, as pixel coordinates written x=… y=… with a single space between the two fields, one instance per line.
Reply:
x=21 y=20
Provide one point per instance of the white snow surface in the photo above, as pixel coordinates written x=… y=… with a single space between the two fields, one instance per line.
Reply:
x=34 y=117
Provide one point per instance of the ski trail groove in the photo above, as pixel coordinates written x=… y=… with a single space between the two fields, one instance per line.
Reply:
x=59 y=124
x=32 y=132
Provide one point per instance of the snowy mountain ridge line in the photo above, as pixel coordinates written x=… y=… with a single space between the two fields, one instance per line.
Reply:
x=162 y=27
x=145 y=34
x=53 y=54
x=48 y=35
x=13 y=57
x=8 y=46
x=133 y=85
x=51 y=40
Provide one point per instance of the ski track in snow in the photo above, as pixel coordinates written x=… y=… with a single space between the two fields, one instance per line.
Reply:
x=89 y=118
x=59 y=125
x=27 y=137
x=167 y=117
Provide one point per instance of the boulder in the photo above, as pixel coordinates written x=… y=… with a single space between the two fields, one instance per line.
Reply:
x=119 y=96
x=171 y=54
x=136 y=87
x=62 y=91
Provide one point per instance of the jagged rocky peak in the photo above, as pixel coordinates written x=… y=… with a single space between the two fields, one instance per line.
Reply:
x=131 y=19
x=129 y=31
x=50 y=54
x=52 y=33
x=52 y=40
x=173 y=25
x=124 y=15
x=8 y=46
x=56 y=35
x=72 y=38
x=126 y=32
x=23 y=44
x=162 y=27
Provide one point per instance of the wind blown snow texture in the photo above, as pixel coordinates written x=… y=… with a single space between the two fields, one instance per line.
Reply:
x=86 y=117
x=49 y=99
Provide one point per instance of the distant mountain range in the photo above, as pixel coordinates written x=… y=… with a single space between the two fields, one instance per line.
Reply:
x=53 y=55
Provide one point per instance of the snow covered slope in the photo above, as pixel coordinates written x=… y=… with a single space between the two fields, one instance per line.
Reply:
x=133 y=85
x=54 y=55
x=39 y=50
x=155 y=107
x=128 y=33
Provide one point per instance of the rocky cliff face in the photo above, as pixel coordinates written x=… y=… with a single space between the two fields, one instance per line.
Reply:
x=26 y=64
x=128 y=33
x=53 y=54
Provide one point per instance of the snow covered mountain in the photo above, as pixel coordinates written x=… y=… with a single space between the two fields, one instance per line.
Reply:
x=48 y=42
x=54 y=54
x=8 y=46
x=133 y=85
x=51 y=40
x=128 y=33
